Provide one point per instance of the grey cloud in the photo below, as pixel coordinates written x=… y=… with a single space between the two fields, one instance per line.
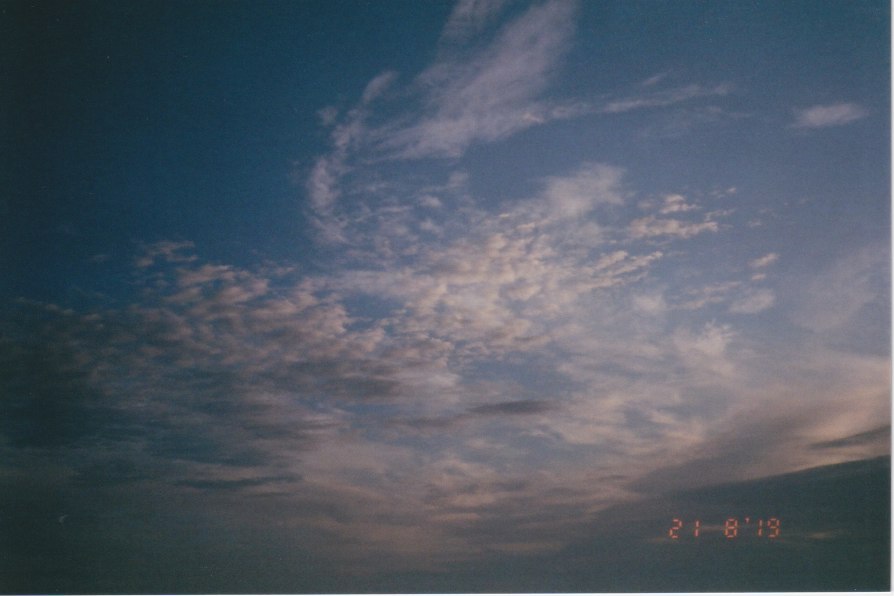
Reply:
x=160 y=385
x=167 y=251
x=514 y=408
x=239 y=484
x=882 y=433
x=518 y=408
x=116 y=470
x=834 y=299
x=46 y=397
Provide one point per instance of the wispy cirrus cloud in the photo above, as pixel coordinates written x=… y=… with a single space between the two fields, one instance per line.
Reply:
x=481 y=88
x=665 y=97
x=468 y=18
x=837 y=295
x=487 y=96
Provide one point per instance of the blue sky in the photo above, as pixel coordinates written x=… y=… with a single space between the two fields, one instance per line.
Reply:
x=438 y=283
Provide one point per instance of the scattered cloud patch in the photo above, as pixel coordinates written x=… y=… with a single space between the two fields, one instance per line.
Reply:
x=823 y=116
x=664 y=98
x=753 y=302
x=835 y=297
x=652 y=227
x=675 y=204
x=576 y=195
x=469 y=17
x=764 y=261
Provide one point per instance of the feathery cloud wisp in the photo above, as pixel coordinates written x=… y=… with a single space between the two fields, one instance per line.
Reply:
x=823 y=116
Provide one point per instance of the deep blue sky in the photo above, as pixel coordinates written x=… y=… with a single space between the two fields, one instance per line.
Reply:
x=425 y=283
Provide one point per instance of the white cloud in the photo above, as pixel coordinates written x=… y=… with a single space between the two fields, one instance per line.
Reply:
x=576 y=195
x=462 y=98
x=675 y=204
x=663 y=98
x=822 y=116
x=650 y=227
x=469 y=17
x=764 y=261
x=754 y=301
x=378 y=86
x=706 y=351
x=476 y=93
x=487 y=97
x=430 y=201
x=654 y=79
x=714 y=293
x=328 y=115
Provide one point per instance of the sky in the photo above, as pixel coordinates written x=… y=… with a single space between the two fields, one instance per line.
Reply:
x=346 y=296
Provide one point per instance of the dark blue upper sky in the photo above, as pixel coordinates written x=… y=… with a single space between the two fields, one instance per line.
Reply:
x=445 y=280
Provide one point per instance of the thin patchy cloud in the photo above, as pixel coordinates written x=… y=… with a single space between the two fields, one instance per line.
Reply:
x=469 y=17
x=486 y=97
x=514 y=408
x=764 y=261
x=836 y=296
x=823 y=116
x=648 y=227
x=881 y=434
x=663 y=98
x=754 y=301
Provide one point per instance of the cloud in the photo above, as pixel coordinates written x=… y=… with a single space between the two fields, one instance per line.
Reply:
x=753 y=302
x=663 y=98
x=576 y=195
x=487 y=96
x=514 y=408
x=497 y=374
x=484 y=86
x=513 y=363
x=168 y=251
x=651 y=227
x=764 y=261
x=835 y=297
x=654 y=79
x=378 y=86
x=469 y=17
x=675 y=204
x=880 y=434
x=822 y=116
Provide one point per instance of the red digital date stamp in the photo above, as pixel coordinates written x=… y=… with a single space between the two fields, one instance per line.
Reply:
x=732 y=528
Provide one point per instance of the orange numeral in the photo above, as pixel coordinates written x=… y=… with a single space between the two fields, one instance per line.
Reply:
x=773 y=525
x=677 y=524
x=731 y=528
